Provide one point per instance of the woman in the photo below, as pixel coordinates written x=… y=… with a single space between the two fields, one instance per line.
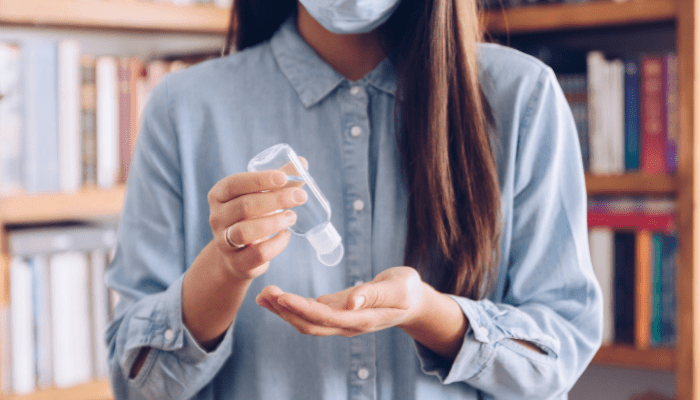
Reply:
x=457 y=160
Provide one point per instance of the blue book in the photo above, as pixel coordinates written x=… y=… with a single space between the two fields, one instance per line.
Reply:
x=631 y=115
x=668 y=291
x=40 y=122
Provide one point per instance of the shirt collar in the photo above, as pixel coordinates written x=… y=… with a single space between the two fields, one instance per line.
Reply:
x=312 y=78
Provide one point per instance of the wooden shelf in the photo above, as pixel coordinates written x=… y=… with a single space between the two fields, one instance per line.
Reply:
x=631 y=184
x=627 y=356
x=86 y=204
x=554 y=17
x=96 y=390
x=114 y=14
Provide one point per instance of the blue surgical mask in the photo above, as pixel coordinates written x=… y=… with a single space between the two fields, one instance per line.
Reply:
x=350 y=16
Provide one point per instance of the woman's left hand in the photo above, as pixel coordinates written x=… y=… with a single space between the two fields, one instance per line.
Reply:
x=394 y=298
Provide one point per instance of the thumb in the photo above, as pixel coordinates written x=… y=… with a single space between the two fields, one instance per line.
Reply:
x=372 y=295
x=395 y=288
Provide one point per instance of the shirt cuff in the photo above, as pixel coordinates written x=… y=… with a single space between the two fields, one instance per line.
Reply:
x=159 y=326
x=477 y=348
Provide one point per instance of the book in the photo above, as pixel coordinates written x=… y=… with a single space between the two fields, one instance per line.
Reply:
x=633 y=221
x=10 y=120
x=22 y=327
x=653 y=131
x=108 y=166
x=69 y=144
x=671 y=95
x=631 y=115
x=41 y=300
x=70 y=319
x=624 y=296
x=643 y=289
x=99 y=308
x=602 y=257
x=40 y=119
x=88 y=120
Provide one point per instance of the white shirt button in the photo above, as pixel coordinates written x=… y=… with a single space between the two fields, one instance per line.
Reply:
x=482 y=331
x=169 y=334
x=363 y=373
x=358 y=205
x=356 y=131
x=355 y=90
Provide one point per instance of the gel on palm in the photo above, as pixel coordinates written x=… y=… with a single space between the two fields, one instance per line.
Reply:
x=314 y=216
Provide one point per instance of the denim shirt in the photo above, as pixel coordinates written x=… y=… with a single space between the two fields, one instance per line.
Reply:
x=206 y=122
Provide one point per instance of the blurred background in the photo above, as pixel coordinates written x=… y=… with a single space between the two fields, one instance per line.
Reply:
x=75 y=74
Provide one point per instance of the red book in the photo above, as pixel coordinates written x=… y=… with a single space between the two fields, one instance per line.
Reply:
x=662 y=223
x=653 y=116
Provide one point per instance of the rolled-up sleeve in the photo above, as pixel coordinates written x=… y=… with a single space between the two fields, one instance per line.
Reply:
x=551 y=297
x=147 y=272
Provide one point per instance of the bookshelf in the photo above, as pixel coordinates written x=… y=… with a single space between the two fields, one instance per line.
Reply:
x=683 y=15
x=143 y=17
x=81 y=16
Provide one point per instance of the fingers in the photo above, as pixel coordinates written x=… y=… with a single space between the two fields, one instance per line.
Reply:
x=250 y=231
x=246 y=182
x=252 y=260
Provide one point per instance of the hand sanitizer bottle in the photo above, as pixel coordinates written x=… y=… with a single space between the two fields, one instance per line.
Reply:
x=314 y=216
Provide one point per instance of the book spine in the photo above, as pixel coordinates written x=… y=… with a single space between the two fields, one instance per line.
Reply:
x=594 y=63
x=653 y=135
x=631 y=115
x=10 y=120
x=124 y=77
x=106 y=83
x=88 y=126
x=40 y=122
x=22 y=327
x=668 y=290
x=657 y=290
x=624 y=297
x=634 y=221
x=672 y=104
x=69 y=115
x=602 y=251
x=617 y=117
x=642 y=291
x=42 y=321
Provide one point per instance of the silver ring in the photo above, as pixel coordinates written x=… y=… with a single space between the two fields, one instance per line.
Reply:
x=231 y=242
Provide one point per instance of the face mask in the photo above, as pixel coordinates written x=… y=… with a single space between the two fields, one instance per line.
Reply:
x=350 y=16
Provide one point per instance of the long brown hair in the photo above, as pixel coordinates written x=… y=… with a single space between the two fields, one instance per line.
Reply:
x=448 y=159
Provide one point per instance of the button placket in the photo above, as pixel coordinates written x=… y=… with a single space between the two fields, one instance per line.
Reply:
x=354 y=111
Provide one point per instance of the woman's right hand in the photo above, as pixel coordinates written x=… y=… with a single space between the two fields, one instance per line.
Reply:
x=244 y=214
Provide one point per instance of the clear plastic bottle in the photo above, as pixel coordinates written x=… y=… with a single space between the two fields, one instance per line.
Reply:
x=314 y=216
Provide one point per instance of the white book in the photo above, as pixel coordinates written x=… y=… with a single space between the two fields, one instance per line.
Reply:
x=595 y=64
x=106 y=83
x=617 y=110
x=602 y=245
x=40 y=115
x=22 y=327
x=42 y=320
x=5 y=350
x=100 y=312
x=70 y=143
x=10 y=120
x=70 y=319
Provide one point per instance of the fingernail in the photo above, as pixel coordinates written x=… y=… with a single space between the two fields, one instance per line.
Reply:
x=299 y=196
x=359 y=301
x=279 y=179
x=291 y=217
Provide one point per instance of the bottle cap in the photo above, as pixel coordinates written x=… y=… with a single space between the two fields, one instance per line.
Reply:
x=328 y=245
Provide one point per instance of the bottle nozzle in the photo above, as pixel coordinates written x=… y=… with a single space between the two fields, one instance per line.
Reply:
x=328 y=245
